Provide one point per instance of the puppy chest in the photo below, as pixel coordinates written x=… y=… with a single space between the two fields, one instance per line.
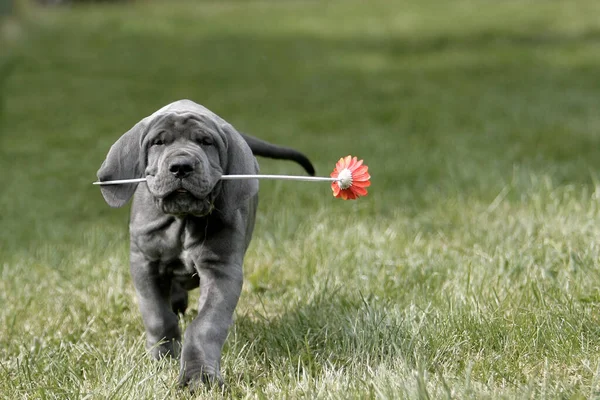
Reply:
x=187 y=265
x=177 y=254
x=176 y=246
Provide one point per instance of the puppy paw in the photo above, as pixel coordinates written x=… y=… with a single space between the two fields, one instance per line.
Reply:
x=197 y=377
x=169 y=349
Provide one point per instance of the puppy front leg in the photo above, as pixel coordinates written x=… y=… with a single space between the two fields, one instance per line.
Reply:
x=220 y=288
x=153 y=292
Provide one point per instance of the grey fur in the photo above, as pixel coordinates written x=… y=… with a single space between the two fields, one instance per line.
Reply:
x=187 y=227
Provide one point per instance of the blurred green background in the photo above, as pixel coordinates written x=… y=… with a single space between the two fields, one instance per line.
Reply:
x=478 y=119
x=441 y=99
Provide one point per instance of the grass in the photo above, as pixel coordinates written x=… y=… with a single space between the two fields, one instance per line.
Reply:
x=470 y=271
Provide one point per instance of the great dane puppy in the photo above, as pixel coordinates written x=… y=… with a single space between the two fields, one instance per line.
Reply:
x=188 y=228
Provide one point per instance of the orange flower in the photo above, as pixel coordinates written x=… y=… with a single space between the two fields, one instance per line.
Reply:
x=353 y=178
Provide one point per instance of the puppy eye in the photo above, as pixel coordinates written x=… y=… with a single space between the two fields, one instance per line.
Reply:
x=206 y=141
x=157 y=142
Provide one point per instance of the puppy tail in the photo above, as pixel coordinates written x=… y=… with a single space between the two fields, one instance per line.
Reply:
x=269 y=150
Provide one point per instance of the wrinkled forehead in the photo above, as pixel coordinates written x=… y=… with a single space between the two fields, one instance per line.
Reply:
x=184 y=107
x=180 y=122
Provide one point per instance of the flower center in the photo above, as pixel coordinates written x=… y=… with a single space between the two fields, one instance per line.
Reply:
x=345 y=179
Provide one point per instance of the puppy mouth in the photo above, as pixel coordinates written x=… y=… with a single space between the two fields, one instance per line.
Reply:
x=181 y=200
x=180 y=196
x=173 y=188
x=182 y=192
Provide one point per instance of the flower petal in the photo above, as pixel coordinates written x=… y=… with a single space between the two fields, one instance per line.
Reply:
x=361 y=184
x=335 y=188
x=359 y=191
x=352 y=163
x=349 y=194
x=357 y=164
x=348 y=159
x=361 y=177
x=360 y=170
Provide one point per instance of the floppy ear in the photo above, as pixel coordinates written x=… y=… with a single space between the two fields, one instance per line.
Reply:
x=240 y=161
x=123 y=161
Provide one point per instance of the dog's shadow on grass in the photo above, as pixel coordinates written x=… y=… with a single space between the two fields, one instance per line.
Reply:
x=333 y=330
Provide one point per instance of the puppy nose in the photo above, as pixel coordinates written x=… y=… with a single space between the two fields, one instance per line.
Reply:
x=181 y=169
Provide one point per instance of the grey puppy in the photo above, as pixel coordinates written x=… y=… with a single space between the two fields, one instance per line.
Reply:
x=188 y=228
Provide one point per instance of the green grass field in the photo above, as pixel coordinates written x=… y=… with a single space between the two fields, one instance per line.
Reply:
x=472 y=269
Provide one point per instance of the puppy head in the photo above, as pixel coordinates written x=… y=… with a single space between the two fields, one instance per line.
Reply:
x=182 y=150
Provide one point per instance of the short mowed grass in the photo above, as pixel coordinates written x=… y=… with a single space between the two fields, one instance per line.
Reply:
x=471 y=270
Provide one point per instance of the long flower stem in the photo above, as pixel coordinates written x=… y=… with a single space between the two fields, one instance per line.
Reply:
x=231 y=177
